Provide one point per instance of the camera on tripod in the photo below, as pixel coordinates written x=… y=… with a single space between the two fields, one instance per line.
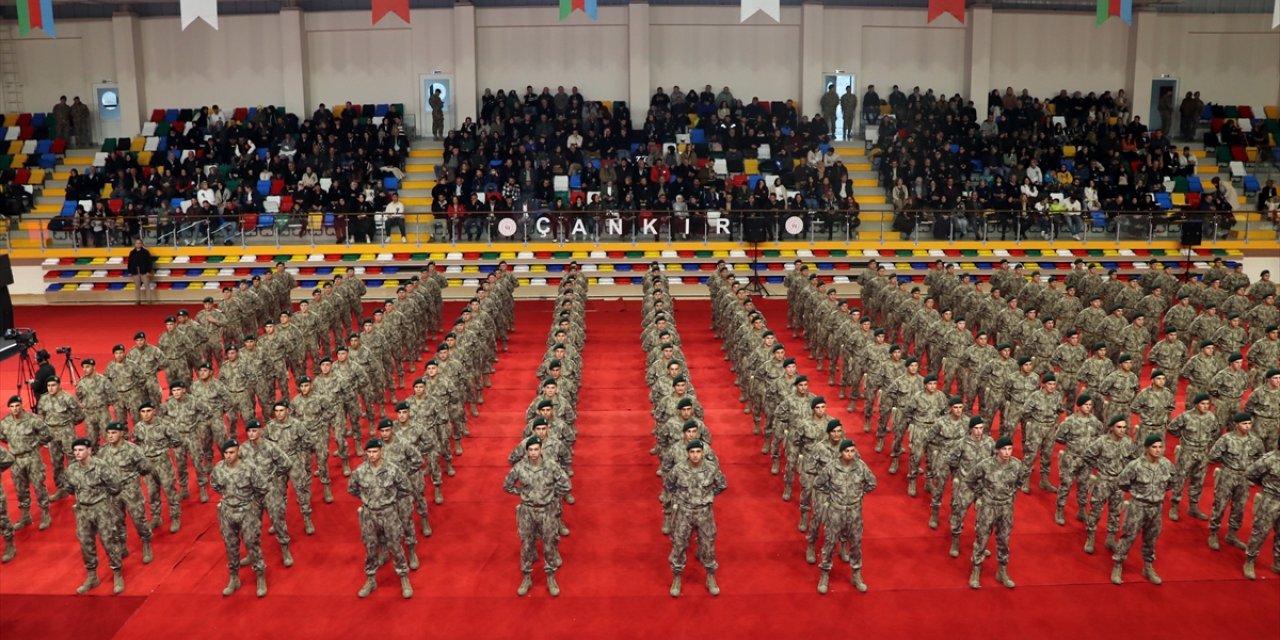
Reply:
x=64 y=350
x=26 y=338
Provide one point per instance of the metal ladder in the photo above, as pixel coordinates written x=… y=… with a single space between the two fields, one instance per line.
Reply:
x=10 y=82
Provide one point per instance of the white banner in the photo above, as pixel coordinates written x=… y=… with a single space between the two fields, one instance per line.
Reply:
x=770 y=8
x=1275 y=15
x=193 y=10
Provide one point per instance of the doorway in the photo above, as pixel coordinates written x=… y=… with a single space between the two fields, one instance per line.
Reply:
x=107 y=105
x=842 y=81
x=1160 y=86
x=430 y=83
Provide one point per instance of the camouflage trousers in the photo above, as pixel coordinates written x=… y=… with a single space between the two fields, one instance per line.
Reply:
x=951 y=371
x=1266 y=520
x=96 y=522
x=241 y=409
x=993 y=519
x=1145 y=518
x=152 y=391
x=95 y=424
x=6 y=525
x=319 y=452
x=29 y=472
x=819 y=521
x=380 y=530
x=844 y=524
x=890 y=413
x=992 y=401
x=161 y=480
x=276 y=505
x=60 y=452
x=1266 y=429
x=1011 y=416
x=916 y=447
x=1150 y=428
x=534 y=523
x=1037 y=439
x=416 y=502
x=1069 y=383
x=1073 y=471
x=1224 y=408
x=130 y=502
x=1230 y=489
x=1191 y=465
x=177 y=370
x=1104 y=493
x=191 y=451
x=684 y=521
x=127 y=403
x=968 y=388
x=241 y=525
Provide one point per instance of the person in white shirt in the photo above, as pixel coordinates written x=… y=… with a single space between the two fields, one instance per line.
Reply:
x=208 y=198
x=1072 y=213
x=394 y=213
x=1034 y=173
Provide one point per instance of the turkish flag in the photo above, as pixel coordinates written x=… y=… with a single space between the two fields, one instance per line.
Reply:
x=953 y=7
x=383 y=7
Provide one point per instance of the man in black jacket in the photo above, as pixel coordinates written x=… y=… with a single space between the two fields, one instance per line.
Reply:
x=141 y=267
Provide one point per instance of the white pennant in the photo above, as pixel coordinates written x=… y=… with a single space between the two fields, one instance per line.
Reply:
x=770 y=8
x=1275 y=15
x=193 y=10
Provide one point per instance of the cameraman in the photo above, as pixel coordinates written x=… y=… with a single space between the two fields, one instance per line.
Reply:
x=44 y=372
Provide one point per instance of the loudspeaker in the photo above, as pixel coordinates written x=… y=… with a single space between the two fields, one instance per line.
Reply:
x=1192 y=233
x=753 y=230
x=6 y=270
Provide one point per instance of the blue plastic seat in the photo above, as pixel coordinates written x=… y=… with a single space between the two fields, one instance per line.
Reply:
x=390 y=183
x=1194 y=185
x=266 y=221
x=69 y=208
x=1251 y=184
x=575 y=181
x=171 y=115
x=1164 y=201
x=697 y=136
x=264 y=187
x=381 y=110
x=43 y=146
x=48 y=161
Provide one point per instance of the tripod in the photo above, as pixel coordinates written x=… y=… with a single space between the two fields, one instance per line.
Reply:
x=69 y=369
x=755 y=285
x=26 y=371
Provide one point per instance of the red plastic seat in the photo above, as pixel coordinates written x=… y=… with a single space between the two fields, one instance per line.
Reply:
x=157 y=115
x=277 y=187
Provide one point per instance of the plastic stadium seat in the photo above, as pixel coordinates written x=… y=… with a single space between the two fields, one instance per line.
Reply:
x=1215 y=125
x=1164 y=201
x=1272 y=111
x=68 y=208
x=1193 y=199
x=240 y=113
x=1238 y=154
x=390 y=183
x=286 y=204
x=157 y=115
x=1231 y=111
x=1251 y=184
x=1223 y=155
x=171 y=115
x=43 y=146
x=58 y=147
x=48 y=161
x=277 y=187
x=264 y=187
x=1194 y=185
x=1237 y=169
x=381 y=110
x=24 y=120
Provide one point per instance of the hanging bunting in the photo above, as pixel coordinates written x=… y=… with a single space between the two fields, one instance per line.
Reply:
x=1275 y=15
x=1109 y=8
x=206 y=10
x=35 y=14
x=588 y=7
x=953 y=7
x=770 y=8
x=382 y=7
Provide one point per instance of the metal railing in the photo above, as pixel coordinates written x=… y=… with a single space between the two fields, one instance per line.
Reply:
x=642 y=227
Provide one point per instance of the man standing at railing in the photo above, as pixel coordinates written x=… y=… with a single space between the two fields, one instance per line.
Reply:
x=140 y=268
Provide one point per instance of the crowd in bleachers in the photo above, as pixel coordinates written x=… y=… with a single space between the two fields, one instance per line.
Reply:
x=200 y=173
x=1041 y=165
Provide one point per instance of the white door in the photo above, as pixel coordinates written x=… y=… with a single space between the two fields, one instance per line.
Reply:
x=430 y=84
x=107 y=106
x=842 y=81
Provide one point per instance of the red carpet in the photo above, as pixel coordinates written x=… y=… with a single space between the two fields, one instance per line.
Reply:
x=615 y=572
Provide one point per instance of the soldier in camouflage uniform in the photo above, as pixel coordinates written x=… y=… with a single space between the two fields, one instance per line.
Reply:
x=1206 y=325
x=1264 y=355
x=1154 y=407
x=95 y=483
x=818 y=457
x=1264 y=405
x=993 y=377
x=692 y=487
x=844 y=482
x=806 y=436
x=212 y=323
x=1227 y=388
x=272 y=373
x=147 y=361
x=25 y=433
x=1109 y=453
x=1200 y=369
x=907 y=381
x=130 y=464
x=186 y=414
x=1180 y=316
x=1169 y=354
x=273 y=465
x=1264 y=472
x=213 y=394
x=237 y=376
x=243 y=487
x=1040 y=421
x=96 y=395
x=541 y=485
x=6 y=527
x=1120 y=387
x=408 y=459
x=349 y=378
x=61 y=413
x=288 y=433
x=1234 y=451
x=1093 y=372
x=1076 y=433
x=1068 y=359
x=973 y=359
x=313 y=412
x=156 y=437
x=921 y=412
x=1019 y=386
x=1197 y=429
x=1146 y=479
x=994 y=483
x=173 y=345
x=942 y=441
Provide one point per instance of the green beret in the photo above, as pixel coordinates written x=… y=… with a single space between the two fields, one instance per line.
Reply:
x=116 y=348
x=834 y=424
x=145 y=405
x=251 y=337
x=684 y=402
x=1150 y=440
x=1242 y=417
x=141 y=335
x=1098 y=345
x=1004 y=441
x=229 y=443
x=386 y=423
x=1272 y=373
x=846 y=444
x=694 y=444
x=116 y=426
x=177 y=384
x=1273 y=328
x=976 y=421
x=1156 y=373
x=231 y=347
x=1201 y=397
x=373 y=443
x=1084 y=397
x=954 y=400
x=1233 y=357
x=302 y=379
x=343 y=349
x=81 y=442
x=418 y=381
x=895 y=347
x=1003 y=345
x=1124 y=357
x=252 y=424
x=1116 y=419
x=543 y=404
x=1169 y=330
x=776 y=348
x=554 y=364
x=930 y=378
x=550 y=382
x=1023 y=360
x=326 y=359
x=813 y=404
x=1206 y=343
x=1233 y=315
x=910 y=361
x=207 y=299
x=539 y=422
x=402 y=406
x=1138 y=315
x=788 y=362
x=799 y=379
x=877 y=332
x=1047 y=378
x=689 y=424
x=169 y=320
x=678 y=379
x=280 y=403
